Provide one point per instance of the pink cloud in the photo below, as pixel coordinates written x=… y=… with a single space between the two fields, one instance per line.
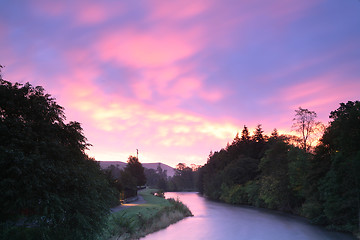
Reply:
x=53 y=8
x=324 y=88
x=90 y=13
x=212 y=95
x=155 y=48
x=77 y=57
x=319 y=93
x=80 y=12
x=106 y=116
x=142 y=90
x=177 y=9
x=305 y=90
x=95 y=12
x=158 y=45
x=186 y=87
x=156 y=54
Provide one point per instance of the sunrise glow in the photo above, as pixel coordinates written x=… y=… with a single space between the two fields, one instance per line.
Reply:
x=178 y=79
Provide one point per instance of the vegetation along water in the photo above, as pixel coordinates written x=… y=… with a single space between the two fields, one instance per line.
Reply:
x=51 y=189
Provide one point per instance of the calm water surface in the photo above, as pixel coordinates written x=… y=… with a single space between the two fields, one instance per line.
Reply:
x=219 y=221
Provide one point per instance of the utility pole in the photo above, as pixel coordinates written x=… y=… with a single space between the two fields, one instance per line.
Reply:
x=137 y=154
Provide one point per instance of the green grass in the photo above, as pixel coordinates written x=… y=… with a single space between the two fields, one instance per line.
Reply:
x=137 y=221
x=151 y=199
x=150 y=208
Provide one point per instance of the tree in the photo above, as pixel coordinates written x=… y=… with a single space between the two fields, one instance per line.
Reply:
x=162 y=173
x=298 y=169
x=340 y=188
x=129 y=183
x=46 y=177
x=135 y=168
x=245 y=137
x=184 y=178
x=240 y=171
x=180 y=166
x=275 y=134
x=257 y=143
x=306 y=126
x=236 y=139
x=258 y=134
x=1 y=66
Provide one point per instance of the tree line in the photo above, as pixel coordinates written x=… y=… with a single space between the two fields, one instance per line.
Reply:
x=184 y=179
x=286 y=173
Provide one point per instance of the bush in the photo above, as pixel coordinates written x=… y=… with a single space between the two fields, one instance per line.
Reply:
x=160 y=193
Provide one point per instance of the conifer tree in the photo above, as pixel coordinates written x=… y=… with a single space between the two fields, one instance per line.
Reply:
x=245 y=137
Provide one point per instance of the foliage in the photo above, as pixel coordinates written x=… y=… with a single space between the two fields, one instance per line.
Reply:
x=234 y=194
x=156 y=178
x=47 y=180
x=127 y=180
x=271 y=172
x=137 y=221
x=184 y=179
x=128 y=183
x=135 y=169
x=306 y=126
x=339 y=188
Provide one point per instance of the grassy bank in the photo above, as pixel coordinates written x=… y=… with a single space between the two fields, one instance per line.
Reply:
x=138 y=221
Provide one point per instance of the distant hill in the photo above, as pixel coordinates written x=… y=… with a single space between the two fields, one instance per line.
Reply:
x=170 y=170
x=106 y=164
x=121 y=165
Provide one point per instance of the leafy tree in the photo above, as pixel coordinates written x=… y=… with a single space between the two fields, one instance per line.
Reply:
x=184 y=178
x=298 y=168
x=156 y=178
x=129 y=183
x=162 y=184
x=162 y=173
x=46 y=177
x=152 y=178
x=339 y=189
x=240 y=171
x=306 y=126
x=273 y=172
x=180 y=167
x=274 y=177
x=135 y=168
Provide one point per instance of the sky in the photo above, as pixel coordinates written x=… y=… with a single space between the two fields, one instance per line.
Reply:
x=178 y=79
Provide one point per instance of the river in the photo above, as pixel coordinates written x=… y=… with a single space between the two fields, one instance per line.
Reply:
x=220 y=221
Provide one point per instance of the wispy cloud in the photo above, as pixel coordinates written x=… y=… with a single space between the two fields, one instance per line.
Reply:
x=178 y=79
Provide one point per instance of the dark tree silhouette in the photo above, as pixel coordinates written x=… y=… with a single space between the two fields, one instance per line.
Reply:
x=45 y=174
x=306 y=125
x=245 y=136
x=340 y=187
x=276 y=172
x=135 y=168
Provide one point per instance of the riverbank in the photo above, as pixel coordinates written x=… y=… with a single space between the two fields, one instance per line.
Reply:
x=139 y=220
x=217 y=221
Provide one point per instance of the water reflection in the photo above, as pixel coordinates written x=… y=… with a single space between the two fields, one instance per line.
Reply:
x=213 y=221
